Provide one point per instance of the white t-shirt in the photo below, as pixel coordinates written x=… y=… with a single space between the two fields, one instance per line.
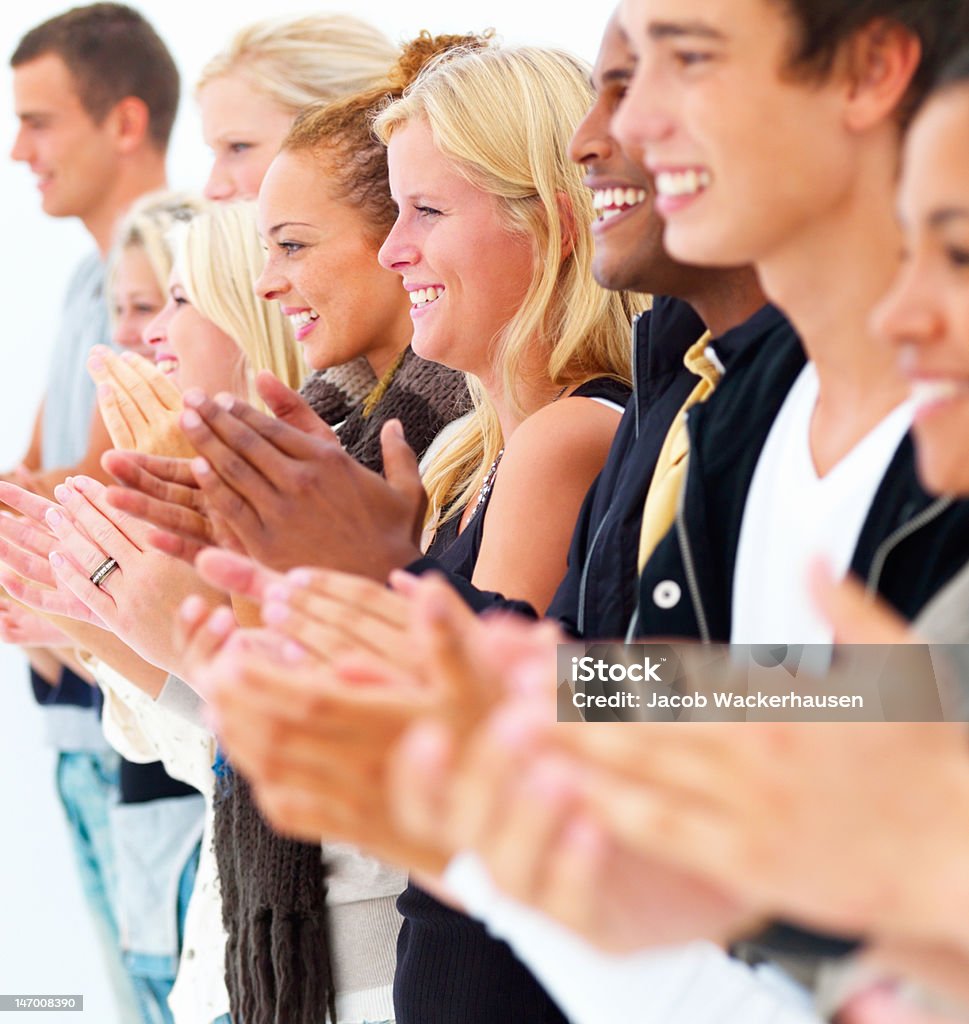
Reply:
x=694 y=984
x=792 y=516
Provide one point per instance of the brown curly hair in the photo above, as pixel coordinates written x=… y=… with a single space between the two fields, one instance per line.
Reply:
x=340 y=132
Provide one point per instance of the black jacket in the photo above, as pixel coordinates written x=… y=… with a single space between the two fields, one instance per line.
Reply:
x=910 y=545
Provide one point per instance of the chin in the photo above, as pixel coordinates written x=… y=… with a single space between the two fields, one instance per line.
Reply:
x=943 y=476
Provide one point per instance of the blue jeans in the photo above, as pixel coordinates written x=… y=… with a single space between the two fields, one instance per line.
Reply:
x=154 y=976
x=87 y=784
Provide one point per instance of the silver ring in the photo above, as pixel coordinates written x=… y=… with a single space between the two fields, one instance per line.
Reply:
x=103 y=571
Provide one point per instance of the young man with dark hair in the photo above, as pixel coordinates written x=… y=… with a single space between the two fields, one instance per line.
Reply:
x=112 y=54
x=805 y=453
x=96 y=93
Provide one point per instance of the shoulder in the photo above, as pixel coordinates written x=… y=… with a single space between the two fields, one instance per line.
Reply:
x=571 y=431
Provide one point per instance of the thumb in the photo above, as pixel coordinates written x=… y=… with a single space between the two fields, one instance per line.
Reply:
x=288 y=405
x=856 y=617
x=401 y=469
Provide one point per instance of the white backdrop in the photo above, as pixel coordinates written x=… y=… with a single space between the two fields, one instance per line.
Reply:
x=45 y=942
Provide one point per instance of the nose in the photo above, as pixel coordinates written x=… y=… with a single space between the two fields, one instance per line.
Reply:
x=220 y=186
x=591 y=143
x=126 y=334
x=909 y=315
x=271 y=285
x=641 y=119
x=398 y=252
x=21 y=150
x=156 y=331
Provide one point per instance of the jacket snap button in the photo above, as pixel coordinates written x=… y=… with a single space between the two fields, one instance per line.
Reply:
x=667 y=594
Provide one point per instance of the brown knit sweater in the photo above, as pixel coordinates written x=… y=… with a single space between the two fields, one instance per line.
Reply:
x=274 y=889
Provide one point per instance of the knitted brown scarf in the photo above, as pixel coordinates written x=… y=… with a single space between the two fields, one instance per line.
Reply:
x=274 y=889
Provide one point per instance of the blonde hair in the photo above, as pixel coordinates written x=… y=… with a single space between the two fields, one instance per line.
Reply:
x=297 y=61
x=218 y=257
x=146 y=226
x=505 y=116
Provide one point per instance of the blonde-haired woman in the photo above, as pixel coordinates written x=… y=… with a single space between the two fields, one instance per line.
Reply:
x=534 y=326
x=217 y=257
x=493 y=241
x=250 y=93
x=141 y=261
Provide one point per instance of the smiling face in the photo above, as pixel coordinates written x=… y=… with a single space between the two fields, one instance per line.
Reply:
x=627 y=232
x=926 y=314
x=322 y=269
x=244 y=129
x=746 y=155
x=73 y=158
x=465 y=271
x=136 y=300
x=192 y=350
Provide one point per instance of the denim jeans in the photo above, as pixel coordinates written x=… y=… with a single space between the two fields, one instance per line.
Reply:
x=154 y=976
x=87 y=784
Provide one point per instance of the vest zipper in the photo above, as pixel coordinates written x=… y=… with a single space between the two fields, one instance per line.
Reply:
x=926 y=516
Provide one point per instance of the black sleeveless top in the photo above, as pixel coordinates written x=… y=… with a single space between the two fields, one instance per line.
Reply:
x=449 y=969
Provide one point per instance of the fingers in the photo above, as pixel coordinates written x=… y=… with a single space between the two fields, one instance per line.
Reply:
x=402 y=473
x=83 y=499
x=30 y=505
x=419 y=774
x=27 y=535
x=494 y=757
x=235 y=574
x=132 y=365
x=115 y=421
x=171 y=544
x=165 y=504
x=334 y=613
x=226 y=504
x=46 y=600
x=200 y=632
x=78 y=582
x=289 y=407
x=148 y=472
x=30 y=566
x=241 y=455
x=356 y=592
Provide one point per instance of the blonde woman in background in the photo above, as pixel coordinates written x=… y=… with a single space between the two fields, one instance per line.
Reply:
x=140 y=262
x=250 y=93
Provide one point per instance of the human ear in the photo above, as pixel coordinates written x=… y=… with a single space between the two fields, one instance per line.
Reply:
x=131 y=123
x=881 y=61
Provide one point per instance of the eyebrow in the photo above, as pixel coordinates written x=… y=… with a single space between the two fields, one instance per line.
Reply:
x=939 y=218
x=288 y=224
x=677 y=29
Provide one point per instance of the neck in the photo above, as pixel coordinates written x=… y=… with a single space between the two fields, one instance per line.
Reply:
x=392 y=342
x=830 y=278
x=135 y=180
x=724 y=299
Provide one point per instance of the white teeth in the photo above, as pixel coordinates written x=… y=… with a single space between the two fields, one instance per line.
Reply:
x=424 y=296
x=166 y=365
x=928 y=392
x=609 y=202
x=303 y=318
x=682 y=183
